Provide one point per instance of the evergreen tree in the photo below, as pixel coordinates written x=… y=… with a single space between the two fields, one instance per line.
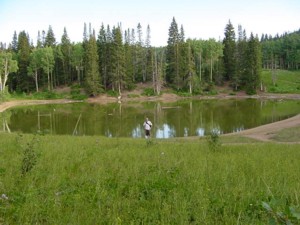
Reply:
x=109 y=57
x=128 y=48
x=22 y=81
x=241 y=63
x=66 y=49
x=229 y=52
x=50 y=40
x=39 y=43
x=118 y=66
x=172 y=70
x=134 y=55
x=84 y=45
x=103 y=55
x=149 y=55
x=253 y=68
x=14 y=43
x=140 y=56
x=93 y=86
x=43 y=38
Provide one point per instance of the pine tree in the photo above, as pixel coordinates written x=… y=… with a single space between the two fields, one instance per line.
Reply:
x=172 y=70
x=183 y=61
x=103 y=55
x=239 y=79
x=140 y=55
x=253 y=68
x=22 y=80
x=134 y=55
x=149 y=55
x=14 y=43
x=229 y=52
x=50 y=40
x=66 y=59
x=39 y=43
x=128 y=48
x=93 y=86
x=109 y=57
x=118 y=67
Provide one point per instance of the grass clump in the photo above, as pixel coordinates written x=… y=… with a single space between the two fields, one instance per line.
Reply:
x=213 y=140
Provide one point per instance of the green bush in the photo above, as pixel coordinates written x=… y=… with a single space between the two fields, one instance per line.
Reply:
x=213 y=140
x=148 y=92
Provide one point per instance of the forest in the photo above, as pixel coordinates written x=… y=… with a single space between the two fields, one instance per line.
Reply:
x=113 y=59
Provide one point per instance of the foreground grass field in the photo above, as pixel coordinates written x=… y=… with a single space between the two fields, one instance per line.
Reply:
x=97 y=180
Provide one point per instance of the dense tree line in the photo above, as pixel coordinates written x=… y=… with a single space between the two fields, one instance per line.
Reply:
x=281 y=52
x=117 y=60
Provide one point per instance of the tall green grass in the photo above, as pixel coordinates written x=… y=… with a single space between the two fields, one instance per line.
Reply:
x=97 y=180
x=282 y=81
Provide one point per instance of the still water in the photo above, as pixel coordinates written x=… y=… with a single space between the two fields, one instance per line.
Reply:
x=179 y=119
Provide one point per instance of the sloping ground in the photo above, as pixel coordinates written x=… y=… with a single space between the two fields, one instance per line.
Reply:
x=265 y=132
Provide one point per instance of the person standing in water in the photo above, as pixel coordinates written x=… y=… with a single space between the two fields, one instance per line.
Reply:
x=147 y=126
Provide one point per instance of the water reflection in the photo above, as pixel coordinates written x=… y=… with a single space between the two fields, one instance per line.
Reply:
x=179 y=119
x=165 y=131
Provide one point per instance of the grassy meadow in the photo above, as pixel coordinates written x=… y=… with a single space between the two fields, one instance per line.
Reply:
x=97 y=180
x=281 y=81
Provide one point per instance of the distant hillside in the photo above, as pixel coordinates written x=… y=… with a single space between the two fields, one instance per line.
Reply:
x=281 y=81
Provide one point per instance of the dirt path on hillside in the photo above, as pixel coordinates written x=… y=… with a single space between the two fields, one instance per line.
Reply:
x=263 y=133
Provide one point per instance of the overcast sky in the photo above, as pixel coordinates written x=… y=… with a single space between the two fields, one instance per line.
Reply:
x=200 y=19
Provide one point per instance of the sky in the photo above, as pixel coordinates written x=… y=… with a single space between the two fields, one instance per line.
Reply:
x=200 y=19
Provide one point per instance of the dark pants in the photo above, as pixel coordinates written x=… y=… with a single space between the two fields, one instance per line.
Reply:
x=147 y=132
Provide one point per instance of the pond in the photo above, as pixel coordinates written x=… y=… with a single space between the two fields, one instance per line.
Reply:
x=179 y=119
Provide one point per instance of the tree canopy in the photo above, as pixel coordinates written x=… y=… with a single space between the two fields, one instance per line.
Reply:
x=117 y=60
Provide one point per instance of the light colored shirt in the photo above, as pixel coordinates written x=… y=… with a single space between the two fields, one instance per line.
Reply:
x=147 y=125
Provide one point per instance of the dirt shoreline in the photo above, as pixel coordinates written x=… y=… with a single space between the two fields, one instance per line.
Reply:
x=263 y=133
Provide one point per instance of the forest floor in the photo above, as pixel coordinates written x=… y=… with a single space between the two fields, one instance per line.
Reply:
x=262 y=133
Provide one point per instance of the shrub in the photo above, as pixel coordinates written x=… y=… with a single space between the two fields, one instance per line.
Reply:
x=213 y=140
x=148 y=92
